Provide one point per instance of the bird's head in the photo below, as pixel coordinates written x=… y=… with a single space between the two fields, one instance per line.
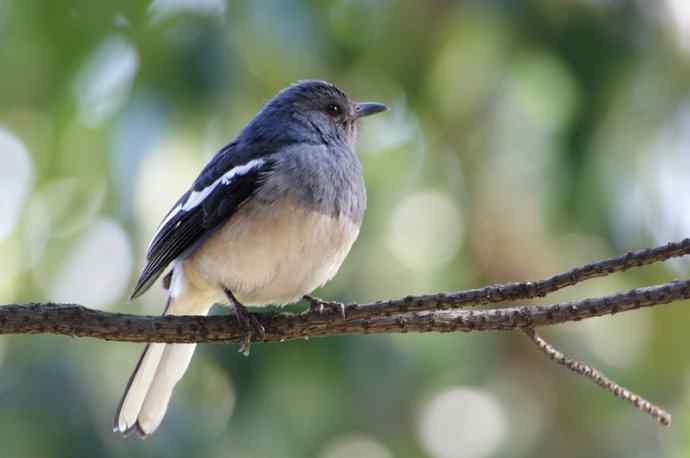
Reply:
x=312 y=111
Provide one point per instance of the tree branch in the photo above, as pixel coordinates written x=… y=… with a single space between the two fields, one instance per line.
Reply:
x=523 y=290
x=427 y=313
x=78 y=321
x=424 y=313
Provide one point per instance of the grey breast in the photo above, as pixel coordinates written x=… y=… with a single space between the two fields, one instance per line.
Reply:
x=326 y=179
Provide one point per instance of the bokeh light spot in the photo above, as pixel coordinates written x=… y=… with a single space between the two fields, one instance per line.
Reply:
x=468 y=63
x=104 y=83
x=97 y=271
x=164 y=175
x=16 y=180
x=163 y=9
x=678 y=13
x=395 y=129
x=426 y=231
x=462 y=422
x=544 y=89
x=619 y=341
x=355 y=445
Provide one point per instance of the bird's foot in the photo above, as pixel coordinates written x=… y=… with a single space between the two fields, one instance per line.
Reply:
x=251 y=326
x=320 y=306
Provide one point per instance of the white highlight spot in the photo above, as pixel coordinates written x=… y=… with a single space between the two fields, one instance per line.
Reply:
x=462 y=422
x=163 y=9
x=97 y=270
x=667 y=170
x=164 y=175
x=649 y=193
x=678 y=12
x=16 y=180
x=619 y=341
x=397 y=128
x=426 y=231
x=357 y=446
x=103 y=85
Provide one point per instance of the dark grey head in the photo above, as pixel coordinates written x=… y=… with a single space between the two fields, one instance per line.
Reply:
x=309 y=111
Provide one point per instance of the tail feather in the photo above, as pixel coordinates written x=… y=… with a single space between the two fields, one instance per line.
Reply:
x=160 y=367
x=150 y=387
x=137 y=388
x=172 y=366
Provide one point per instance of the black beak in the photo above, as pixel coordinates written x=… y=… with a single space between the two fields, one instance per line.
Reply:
x=366 y=109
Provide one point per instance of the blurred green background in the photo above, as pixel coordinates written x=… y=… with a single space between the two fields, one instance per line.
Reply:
x=524 y=138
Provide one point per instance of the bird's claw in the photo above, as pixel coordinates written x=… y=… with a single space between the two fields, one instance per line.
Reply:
x=251 y=326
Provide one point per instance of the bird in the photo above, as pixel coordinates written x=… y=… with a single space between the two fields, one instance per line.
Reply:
x=270 y=218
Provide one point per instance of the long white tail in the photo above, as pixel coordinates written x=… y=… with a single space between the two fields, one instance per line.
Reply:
x=150 y=387
x=160 y=367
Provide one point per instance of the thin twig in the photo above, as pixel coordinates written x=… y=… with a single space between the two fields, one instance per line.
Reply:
x=658 y=413
x=509 y=292
x=78 y=321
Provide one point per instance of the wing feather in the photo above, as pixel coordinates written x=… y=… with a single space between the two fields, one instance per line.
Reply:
x=214 y=198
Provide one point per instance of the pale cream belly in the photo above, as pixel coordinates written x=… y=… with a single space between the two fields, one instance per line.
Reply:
x=271 y=255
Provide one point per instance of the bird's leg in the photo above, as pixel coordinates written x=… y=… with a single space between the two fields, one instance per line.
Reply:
x=250 y=324
x=317 y=305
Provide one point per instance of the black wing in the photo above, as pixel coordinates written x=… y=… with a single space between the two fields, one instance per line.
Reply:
x=222 y=187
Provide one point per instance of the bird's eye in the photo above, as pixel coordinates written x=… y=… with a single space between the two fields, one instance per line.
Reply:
x=334 y=109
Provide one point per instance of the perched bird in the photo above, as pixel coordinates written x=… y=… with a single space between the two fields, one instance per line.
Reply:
x=270 y=218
